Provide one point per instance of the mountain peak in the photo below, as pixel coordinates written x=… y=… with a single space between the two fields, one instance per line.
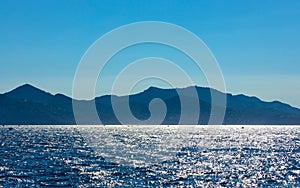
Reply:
x=27 y=86
x=29 y=93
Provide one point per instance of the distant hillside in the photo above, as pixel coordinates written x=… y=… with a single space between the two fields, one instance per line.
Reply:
x=29 y=105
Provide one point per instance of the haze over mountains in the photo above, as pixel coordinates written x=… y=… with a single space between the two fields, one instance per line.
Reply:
x=28 y=105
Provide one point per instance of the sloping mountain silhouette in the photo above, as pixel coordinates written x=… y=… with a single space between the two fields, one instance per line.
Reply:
x=28 y=105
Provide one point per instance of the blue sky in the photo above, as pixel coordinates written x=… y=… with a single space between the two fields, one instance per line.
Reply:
x=256 y=43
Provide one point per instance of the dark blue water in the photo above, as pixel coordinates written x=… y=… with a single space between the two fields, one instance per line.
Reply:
x=66 y=156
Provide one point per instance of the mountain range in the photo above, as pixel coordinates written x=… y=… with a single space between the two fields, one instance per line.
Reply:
x=28 y=105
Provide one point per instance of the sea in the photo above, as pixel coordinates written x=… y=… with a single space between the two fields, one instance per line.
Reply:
x=150 y=156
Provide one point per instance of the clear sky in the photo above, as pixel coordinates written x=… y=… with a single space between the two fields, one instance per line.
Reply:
x=255 y=42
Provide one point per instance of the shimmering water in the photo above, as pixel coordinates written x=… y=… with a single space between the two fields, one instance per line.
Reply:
x=65 y=156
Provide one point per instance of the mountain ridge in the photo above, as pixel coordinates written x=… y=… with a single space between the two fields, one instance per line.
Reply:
x=27 y=104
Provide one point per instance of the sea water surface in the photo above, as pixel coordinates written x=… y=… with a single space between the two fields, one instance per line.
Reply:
x=149 y=156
